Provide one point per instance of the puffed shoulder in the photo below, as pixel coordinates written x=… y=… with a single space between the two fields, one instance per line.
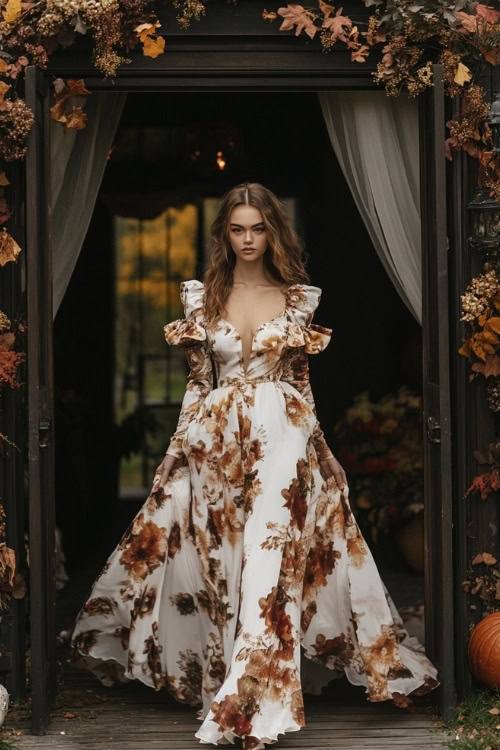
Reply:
x=313 y=338
x=302 y=301
x=192 y=293
x=189 y=330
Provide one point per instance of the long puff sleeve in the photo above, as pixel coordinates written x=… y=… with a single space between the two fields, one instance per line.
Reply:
x=305 y=338
x=190 y=333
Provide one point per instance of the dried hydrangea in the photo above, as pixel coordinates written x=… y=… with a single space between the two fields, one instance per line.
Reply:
x=189 y=10
x=493 y=395
x=477 y=296
x=16 y=121
x=5 y=323
x=485 y=285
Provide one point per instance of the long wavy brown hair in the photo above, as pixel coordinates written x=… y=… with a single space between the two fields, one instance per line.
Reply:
x=283 y=259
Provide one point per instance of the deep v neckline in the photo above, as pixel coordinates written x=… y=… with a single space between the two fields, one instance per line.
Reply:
x=252 y=343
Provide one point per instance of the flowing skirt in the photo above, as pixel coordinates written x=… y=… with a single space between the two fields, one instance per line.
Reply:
x=244 y=562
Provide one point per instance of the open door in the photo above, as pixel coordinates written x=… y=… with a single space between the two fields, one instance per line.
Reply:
x=436 y=391
x=40 y=406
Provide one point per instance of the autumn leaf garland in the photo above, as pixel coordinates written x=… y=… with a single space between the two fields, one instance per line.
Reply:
x=481 y=312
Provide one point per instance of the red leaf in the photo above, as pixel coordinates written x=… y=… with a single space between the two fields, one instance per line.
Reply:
x=488 y=12
x=485 y=484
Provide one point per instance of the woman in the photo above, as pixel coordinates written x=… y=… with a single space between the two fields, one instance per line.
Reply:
x=246 y=549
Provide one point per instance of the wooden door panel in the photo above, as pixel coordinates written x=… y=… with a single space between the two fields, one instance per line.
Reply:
x=40 y=406
x=436 y=391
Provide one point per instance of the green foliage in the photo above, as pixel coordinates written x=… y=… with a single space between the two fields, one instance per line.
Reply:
x=474 y=724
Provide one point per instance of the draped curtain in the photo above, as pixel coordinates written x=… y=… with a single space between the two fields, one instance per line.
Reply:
x=376 y=141
x=77 y=163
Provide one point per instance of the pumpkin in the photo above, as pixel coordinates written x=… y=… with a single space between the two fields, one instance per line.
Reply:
x=484 y=650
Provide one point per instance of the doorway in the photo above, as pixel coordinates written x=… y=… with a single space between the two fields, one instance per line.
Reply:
x=119 y=387
x=437 y=527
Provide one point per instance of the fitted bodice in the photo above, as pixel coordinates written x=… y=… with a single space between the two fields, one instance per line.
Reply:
x=265 y=359
x=271 y=342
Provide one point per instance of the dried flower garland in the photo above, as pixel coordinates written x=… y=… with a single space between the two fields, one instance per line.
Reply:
x=458 y=34
x=483 y=583
x=485 y=484
x=461 y=35
x=481 y=313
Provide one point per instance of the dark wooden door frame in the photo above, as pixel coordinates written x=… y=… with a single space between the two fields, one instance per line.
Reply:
x=216 y=65
x=40 y=401
x=439 y=572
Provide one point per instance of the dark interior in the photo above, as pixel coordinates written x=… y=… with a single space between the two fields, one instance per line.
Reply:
x=279 y=139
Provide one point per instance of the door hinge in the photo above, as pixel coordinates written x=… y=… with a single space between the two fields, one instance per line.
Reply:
x=433 y=430
x=44 y=419
x=44 y=433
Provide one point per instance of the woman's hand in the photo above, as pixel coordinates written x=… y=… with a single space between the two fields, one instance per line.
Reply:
x=163 y=471
x=331 y=467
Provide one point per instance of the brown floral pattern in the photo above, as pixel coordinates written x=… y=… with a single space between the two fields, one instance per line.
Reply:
x=247 y=558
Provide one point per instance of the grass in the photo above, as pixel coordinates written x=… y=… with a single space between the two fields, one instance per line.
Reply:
x=476 y=724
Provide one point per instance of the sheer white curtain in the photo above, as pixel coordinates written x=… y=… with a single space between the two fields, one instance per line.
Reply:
x=77 y=163
x=376 y=141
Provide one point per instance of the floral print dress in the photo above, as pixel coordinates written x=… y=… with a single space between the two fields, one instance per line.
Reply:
x=247 y=558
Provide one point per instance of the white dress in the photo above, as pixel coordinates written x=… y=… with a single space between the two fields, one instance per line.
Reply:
x=247 y=558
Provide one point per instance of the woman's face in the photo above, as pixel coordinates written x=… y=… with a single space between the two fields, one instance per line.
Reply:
x=247 y=232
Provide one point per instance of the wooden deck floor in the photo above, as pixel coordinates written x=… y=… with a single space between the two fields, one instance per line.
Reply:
x=90 y=717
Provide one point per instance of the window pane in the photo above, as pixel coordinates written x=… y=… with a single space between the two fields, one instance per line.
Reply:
x=152 y=257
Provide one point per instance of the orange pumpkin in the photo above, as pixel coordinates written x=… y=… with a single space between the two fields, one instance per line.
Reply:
x=484 y=650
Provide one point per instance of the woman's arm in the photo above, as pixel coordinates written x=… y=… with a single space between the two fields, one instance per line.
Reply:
x=199 y=385
x=296 y=372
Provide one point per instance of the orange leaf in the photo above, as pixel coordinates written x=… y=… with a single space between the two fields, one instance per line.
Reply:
x=296 y=15
x=491 y=56
x=9 y=249
x=3 y=65
x=7 y=340
x=496 y=302
x=153 y=47
x=4 y=87
x=490 y=337
x=57 y=112
x=360 y=54
x=77 y=88
x=493 y=324
x=462 y=74
x=76 y=120
x=146 y=29
x=326 y=9
x=465 y=350
x=338 y=25
x=269 y=15
x=468 y=22
x=484 y=557
x=478 y=350
x=490 y=368
x=12 y=11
